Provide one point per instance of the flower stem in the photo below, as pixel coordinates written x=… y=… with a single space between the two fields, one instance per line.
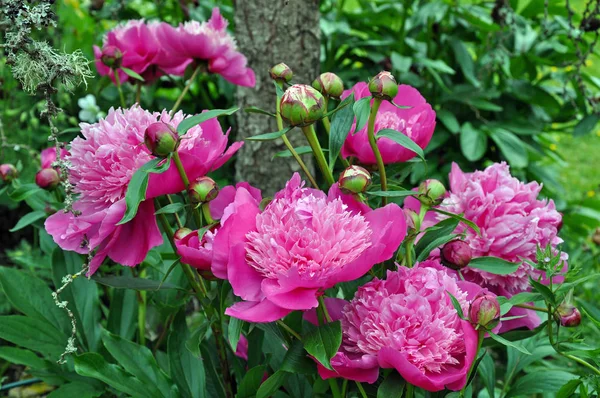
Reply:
x=313 y=141
x=324 y=308
x=186 y=182
x=138 y=93
x=335 y=389
x=373 y=142
x=361 y=389
x=289 y=330
x=119 y=89
x=177 y=219
x=531 y=307
x=142 y=312
x=410 y=391
x=206 y=214
x=480 y=338
x=185 y=90
x=289 y=146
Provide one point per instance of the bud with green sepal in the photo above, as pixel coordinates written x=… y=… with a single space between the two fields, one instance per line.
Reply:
x=302 y=105
x=354 y=180
x=111 y=57
x=383 y=86
x=47 y=179
x=567 y=314
x=329 y=84
x=8 y=172
x=161 y=139
x=203 y=190
x=281 y=73
x=484 y=311
x=456 y=254
x=431 y=192
x=182 y=233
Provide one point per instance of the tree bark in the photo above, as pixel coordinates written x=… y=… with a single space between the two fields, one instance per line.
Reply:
x=269 y=32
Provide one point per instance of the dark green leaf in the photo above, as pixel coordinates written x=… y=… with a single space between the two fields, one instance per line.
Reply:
x=272 y=384
x=487 y=372
x=469 y=223
x=439 y=230
x=128 y=282
x=400 y=63
x=473 y=142
x=511 y=146
x=19 y=356
x=195 y=120
x=122 y=317
x=464 y=60
x=171 y=208
x=24 y=191
x=568 y=389
x=543 y=290
x=33 y=334
x=507 y=343
x=76 y=390
x=278 y=90
x=132 y=74
x=449 y=120
x=392 y=194
x=323 y=342
x=233 y=332
x=494 y=265
x=253 y=109
x=437 y=65
x=270 y=136
x=424 y=253
x=392 y=386
x=539 y=382
x=28 y=219
x=484 y=105
x=456 y=305
x=401 y=139
x=187 y=370
x=301 y=150
x=586 y=125
x=341 y=124
x=361 y=109
x=297 y=361
x=251 y=382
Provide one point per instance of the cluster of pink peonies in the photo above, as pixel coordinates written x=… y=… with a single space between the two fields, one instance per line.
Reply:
x=153 y=49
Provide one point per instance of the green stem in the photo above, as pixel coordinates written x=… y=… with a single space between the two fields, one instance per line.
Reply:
x=335 y=389
x=206 y=213
x=118 y=82
x=289 y=330
x=361 y=389
x=186 y=183
x=480 y=338
x=410 y=391
x=344 y=387
x=142 y=312
x=324 y=308
x=138 y=93
x=373 y=142
x=185 y=90
x=531 y=307
x=177 y=219
x=313 y=141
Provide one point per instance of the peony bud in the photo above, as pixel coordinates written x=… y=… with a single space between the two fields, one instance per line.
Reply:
x=354 y=179
x=203 y=189
x=329 y=84
x=182 y=233
x=111 y=57
x=485 y=311
x=383 y=86
x=281 y=73
x=456 y=254
x=568 y=315
x=431 y=192
x=47 y=179
x=161 y=139
x=8 y=172
x=302 y=105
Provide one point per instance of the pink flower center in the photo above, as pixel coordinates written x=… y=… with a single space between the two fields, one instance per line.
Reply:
x=309 y=234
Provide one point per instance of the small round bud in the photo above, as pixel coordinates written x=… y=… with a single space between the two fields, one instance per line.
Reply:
x=302 y=105
x=568 y=315
x=431 y=192
x=354 y=179
x=384 y=86
x=161 y=139
x=8 y=172
x=329 y=84
x=456 y=254
x=485 y=311
x=47 y=179
x=112 y=57
x=203 y=189
x=182 y=233
x=264 y=203
x=281 y=73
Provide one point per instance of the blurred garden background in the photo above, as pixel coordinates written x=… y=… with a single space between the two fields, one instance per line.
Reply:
x=515 y=81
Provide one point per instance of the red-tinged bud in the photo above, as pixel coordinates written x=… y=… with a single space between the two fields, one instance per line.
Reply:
x=47 y=179
x=182 y=233
x=484 y=311
x=112 y=57
x=161 y=139
x=329 y=84
x=431 y=192
x=567 y=314
x=383 y=86
x=302 y=105
x=456 y=254
x=354 y=179
x=203 y=190
x=8 y=172
x=281 y=73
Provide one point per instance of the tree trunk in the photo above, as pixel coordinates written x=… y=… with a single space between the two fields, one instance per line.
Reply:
x=269 y=32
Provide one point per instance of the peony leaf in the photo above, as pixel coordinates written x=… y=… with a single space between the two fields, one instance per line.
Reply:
x=341 y=124
x=24 y=191
x=456 y=306
x=128 y=282
x=131 y=73
x=251 y=382
x=392 y=386
x=586 y=125
x=272 y=384
x=392 y=194
x=568 y=388
x=473 y=142
x=254 y=109
x=270 y=136
x=432 y=234
x=511 y=146
x=323 y=342
x=296 y=360
x=170 y=208
x=233 y=332
x=28 y=219
x=507 y=343
x=361 y=109
x=460 y=218
x=543 y=290
x=494 y=265
x=425 y=251
x=301 y=150
x=195 y=120
x=401 y=139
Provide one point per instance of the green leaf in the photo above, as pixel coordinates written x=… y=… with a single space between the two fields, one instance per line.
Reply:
x=464 y=60
x=233 y=332
x=95 y=366
x=543 y=290
x=539 y=382
x=401 y=139
x=323 y=342
x=473 y=142
x=586 y=125
x=136 y=190
x=296 y=360
x=511 y=146
x=272 y=384
x=132 y=74
x=170 y=208
x=392 y=194
x=251 y=382
x=128 y=282
x=484 y=105
x=28 y=219
x=361 y=109
x=460 y=218
x=270 y=136
x=449 y=120
x=122 y=315
x=301 y=150
x=424 y=252
x=76 y=389
x=195 y=120
x=392 y=386
x=341 y=124
x=278 y=89
x=568 y=389
x=507 y=343
x=254 y=109
x=456 y=305
x=33 y=334
x=439 y=230
x=400 y=63
x=32 y=297
x=186 y=369
x=19 y=356
x=437 y=65
x=487 y=372
x=494 y=265
x=24 y=191
x=139 y=361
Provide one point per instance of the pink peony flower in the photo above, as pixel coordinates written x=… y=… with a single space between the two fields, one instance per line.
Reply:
x=102 y=164
x=208 y=42
x=304 y=242
x=407 y=322
x=48 y=156
x=417 y=123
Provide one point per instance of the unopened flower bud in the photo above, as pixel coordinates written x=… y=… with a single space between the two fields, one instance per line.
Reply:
x=384 y=86
x=302 y=105
x=182 y=233
x=485 y=311
x=329 y=84
x=111 y=57
x=281 y=73
x=354 y=179
x=161 y=139
x=8 y=172
x=203 y=189
x=456 y=254
x=431 y=192
x=567 y=314
x=47 y=179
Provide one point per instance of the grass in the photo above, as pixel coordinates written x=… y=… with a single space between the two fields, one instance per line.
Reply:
x=581 y=177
